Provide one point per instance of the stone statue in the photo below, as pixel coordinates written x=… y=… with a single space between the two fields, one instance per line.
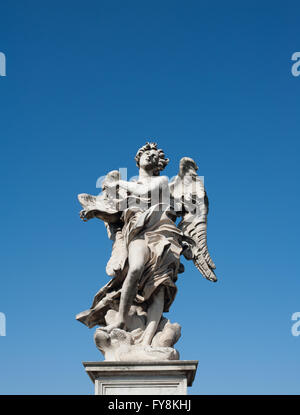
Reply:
x=140 y=217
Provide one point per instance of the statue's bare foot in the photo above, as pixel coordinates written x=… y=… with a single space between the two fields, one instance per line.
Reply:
x=120 y=324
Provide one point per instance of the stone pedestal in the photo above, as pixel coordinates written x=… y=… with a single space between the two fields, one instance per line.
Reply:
x=142 y=378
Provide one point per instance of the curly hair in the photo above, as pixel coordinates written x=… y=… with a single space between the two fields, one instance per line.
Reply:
x=162 y=160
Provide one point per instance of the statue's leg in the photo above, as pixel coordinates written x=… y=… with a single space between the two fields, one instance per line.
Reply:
x=138 y=254
x=154 y=314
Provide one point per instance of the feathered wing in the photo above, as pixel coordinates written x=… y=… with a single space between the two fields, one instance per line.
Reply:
x=191 y=202
x=107 y=207
x=119 y=255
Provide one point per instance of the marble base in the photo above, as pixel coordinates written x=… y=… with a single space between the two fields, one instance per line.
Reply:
x=142 y=378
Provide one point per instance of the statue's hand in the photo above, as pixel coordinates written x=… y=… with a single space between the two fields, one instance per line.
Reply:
x=83 y=215
x=186 y=251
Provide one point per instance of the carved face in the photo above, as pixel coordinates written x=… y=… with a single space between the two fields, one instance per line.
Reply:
x=149 y=159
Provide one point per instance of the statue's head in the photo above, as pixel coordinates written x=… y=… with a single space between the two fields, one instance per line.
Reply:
x=149 y=157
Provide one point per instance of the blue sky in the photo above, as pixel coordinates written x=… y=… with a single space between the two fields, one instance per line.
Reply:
x=87 y=84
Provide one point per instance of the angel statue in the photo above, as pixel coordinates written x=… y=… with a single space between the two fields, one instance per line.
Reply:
x=140 y=217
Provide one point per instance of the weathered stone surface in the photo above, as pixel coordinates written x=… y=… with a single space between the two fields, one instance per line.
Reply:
x=142 y=378
x=121 y=345
x=140 y=218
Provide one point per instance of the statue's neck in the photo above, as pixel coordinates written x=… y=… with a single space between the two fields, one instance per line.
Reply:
x=145 y=174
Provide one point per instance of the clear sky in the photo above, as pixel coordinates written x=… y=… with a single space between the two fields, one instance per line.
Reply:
x=87 y=84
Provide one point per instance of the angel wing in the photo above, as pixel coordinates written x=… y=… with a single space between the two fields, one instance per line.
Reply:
x=105 y=206
x=191 y=202
x=108 y=206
